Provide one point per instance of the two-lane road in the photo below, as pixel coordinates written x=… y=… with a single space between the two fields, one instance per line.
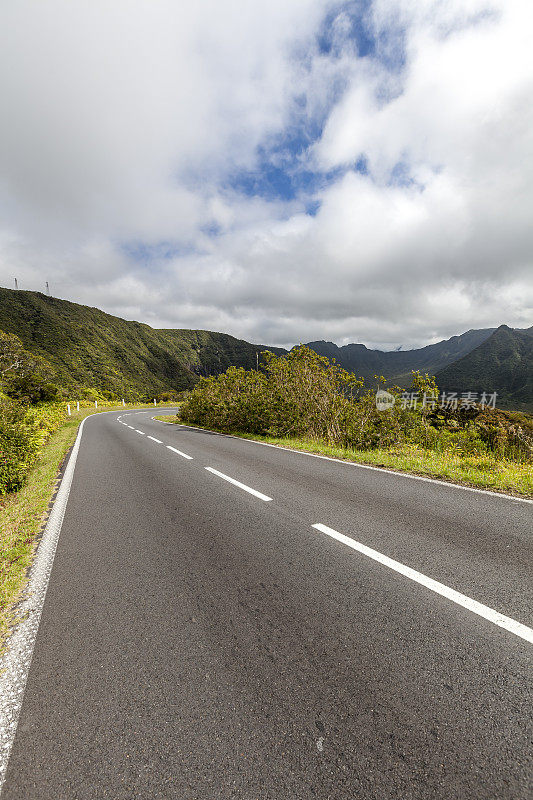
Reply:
x=202 y=638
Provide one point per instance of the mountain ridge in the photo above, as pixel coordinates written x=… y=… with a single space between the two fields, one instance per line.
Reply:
x=88 y=347
x=397 y=365
x=503 y=363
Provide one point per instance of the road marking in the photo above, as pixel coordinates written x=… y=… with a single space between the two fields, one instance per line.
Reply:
x=130 y=427
x=154 y=439
x=238 y=483
x=179 y=452
x=136 y=431
x=481 y=610
x=15 y=662
x=397 y=473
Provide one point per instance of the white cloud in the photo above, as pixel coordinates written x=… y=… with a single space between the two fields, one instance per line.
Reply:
x=126 y=120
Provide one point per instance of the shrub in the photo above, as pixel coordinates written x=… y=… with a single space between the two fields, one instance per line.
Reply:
x=23 y=432
x=304 y=395
x=169 y=397
x=19 y=445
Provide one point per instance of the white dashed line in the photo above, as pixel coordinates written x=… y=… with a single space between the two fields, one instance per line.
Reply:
x=136 y=431
x=481 y=610
x=179 y=452
x=154 y=439
x=239 y=484
x=358 y=465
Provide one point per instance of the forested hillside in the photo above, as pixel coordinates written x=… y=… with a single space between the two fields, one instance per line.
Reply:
x=86 y=347
x=503 y=364
x=397 y=365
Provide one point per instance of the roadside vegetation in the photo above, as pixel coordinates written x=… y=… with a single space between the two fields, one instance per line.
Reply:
x=304 y=401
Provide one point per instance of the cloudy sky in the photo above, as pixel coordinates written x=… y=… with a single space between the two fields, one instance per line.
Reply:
x=282 y=170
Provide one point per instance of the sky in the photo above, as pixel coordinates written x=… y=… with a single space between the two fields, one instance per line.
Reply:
x=281 y=170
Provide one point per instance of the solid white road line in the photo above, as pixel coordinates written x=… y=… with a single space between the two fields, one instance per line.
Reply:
x=481 y=610
x=238 y=483
x=179 y=452
x=357 y=465
x=154 y=439
x=136 y=431
x=15 y=663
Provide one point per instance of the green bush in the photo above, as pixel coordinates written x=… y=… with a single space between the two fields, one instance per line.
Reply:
x=304 y=395
x=169 y=397
x=19 y=445
x=23 y=432
x=46 y=419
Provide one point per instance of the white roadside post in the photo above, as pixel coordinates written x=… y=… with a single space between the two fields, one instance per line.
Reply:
x=96 y=403
x=68 y=409
x=155 y=402
x=77 y=405
x=123 y=403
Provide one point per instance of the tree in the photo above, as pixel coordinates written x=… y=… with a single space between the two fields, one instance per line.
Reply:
x=24 y=376
x=12 y=354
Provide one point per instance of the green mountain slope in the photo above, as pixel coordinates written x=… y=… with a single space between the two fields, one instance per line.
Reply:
x=87 y=347
x=503 y=364
x=397 y=365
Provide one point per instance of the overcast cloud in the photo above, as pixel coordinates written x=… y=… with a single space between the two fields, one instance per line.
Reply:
x=282 y=170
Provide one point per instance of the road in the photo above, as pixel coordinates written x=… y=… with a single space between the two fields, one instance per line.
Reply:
x=200 y=641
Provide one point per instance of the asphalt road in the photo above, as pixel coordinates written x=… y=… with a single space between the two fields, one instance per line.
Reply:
x=199 y=641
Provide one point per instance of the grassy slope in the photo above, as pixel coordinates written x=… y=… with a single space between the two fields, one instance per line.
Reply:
x=90 y=348
x=482 y=472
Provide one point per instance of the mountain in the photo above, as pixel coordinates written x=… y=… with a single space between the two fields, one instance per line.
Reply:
x=87 y=347
x=398 y=364
x=503 y=363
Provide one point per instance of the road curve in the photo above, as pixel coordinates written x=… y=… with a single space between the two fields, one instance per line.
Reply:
x=201 y=639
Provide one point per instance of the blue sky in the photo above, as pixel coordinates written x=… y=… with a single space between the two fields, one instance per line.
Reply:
x=284 y=169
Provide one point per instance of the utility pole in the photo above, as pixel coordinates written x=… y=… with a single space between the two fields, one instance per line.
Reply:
x=16 y=284
x=257 y=360
x=47 y=289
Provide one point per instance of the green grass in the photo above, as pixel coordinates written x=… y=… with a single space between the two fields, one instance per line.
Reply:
x=482 y=472
x=23 y=513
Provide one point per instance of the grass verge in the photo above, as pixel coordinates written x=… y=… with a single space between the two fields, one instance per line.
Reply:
x=480 y=472
x=23 y=513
